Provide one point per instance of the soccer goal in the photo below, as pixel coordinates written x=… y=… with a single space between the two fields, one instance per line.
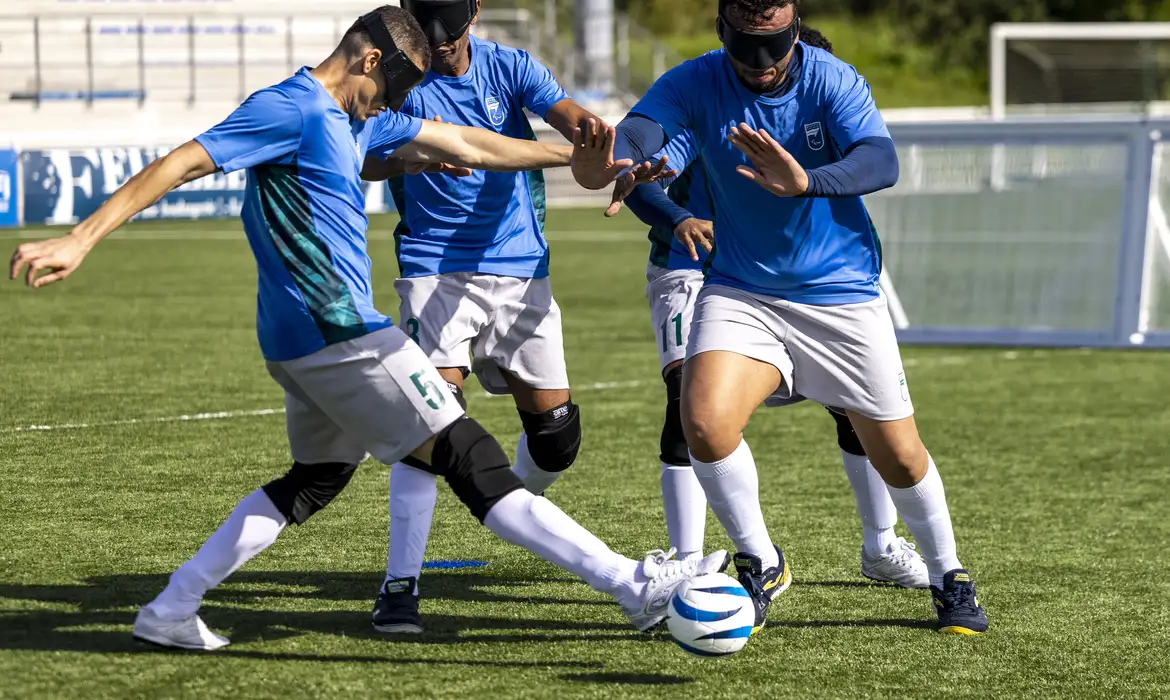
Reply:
x=1099 y=68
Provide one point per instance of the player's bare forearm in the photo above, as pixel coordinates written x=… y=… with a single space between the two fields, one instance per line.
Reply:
x=182 y=165
x=481 y=149
x=375 y=169
x=567 y=115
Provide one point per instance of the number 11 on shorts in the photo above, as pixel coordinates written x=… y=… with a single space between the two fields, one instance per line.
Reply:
x=678 y=340
x=428 y=390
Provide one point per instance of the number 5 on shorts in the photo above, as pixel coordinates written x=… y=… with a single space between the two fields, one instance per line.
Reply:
x=428 y=390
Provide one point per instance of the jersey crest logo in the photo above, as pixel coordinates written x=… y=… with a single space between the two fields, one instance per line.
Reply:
x=495 y=110
x=815 y=135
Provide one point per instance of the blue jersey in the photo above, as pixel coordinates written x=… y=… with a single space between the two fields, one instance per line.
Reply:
x=689 y=191
x=304 y=210
x=486 y=222
x=808 y=250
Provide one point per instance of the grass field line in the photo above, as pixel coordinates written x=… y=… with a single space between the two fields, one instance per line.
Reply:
x=218 y=234
x=943 y=360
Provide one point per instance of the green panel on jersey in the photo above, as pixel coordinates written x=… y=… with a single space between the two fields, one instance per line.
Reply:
x=397 y=187
x=661 y=237
x=536 y=186
x=285 y=207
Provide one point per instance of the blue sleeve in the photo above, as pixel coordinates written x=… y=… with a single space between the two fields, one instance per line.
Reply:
x=851 y=111
x=661 y=114
x=391 y=130
x=266 y=128
x=650 y=203
x=539 y=90
x=871 y=164
x=680 y=152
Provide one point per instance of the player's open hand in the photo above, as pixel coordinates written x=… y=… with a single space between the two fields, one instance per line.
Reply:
x=59 y=257
x=593 y=165
x=694 y=234
x=642 y=174
x=776 y=170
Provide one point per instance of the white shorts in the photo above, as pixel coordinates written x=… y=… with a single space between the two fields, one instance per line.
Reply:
x=672 y=295
x=500 y=323
x=377 y=395
x=842 y=356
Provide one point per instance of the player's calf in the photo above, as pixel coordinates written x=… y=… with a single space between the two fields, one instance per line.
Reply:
x=683 y=501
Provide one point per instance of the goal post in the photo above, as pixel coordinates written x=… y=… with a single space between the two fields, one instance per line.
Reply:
x=1046 y=68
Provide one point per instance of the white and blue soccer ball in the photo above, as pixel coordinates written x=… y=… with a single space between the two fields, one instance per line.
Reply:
x=711 y=615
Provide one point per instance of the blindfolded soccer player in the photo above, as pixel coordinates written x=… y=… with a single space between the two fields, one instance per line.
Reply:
x=681 y=236
x=354 y=383
x=474 y=275
x=791 y=306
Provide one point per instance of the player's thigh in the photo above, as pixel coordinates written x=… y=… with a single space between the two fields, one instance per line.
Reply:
x=524 y=339
x=532 y=400
x=313 y=437
x=847 y=356
x=380 y=389
x=672 y=295
x=440 y=314
x=736 y=359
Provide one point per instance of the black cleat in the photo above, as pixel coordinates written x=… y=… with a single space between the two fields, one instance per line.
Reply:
x=958 y=609
x=762 y=586
x=396 y=609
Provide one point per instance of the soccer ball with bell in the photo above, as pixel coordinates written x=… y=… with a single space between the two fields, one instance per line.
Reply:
x=711 y=615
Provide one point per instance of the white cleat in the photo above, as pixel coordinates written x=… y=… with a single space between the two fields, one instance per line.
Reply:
x=900 y=563
x=188 y=633
x=665 y=574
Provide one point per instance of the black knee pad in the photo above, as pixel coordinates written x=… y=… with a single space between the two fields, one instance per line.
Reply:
x=554 y=437
x=307 y=488
x=474 y=465
x=673 y=443
x=846 y=436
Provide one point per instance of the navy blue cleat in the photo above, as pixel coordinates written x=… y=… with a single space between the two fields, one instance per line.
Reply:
x=958 y=609
x=763 y=586
x=396 y=610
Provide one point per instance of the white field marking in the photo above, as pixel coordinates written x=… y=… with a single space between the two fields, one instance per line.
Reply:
x=218 y=415
x=222 y=234
x=943 y=360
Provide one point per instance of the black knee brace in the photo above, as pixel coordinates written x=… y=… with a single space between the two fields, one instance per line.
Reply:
x=307 y=488
x=846 y=436
x=554 y=437
x=673 y=443
x=474 y=465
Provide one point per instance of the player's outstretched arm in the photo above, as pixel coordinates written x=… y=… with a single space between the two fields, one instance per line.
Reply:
x=61 y=256
x=480 y=149
x=375 y=169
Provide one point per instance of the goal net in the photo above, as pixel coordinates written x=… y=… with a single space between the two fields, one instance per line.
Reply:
x=1053 y=69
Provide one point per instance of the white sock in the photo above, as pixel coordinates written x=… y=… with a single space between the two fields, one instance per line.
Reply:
x=686 y=509
x=250 y=529
x=732 y=486
x=535 y=479
x=874 y=504
x=412 y=508
x=534 y=523
x=924 y=509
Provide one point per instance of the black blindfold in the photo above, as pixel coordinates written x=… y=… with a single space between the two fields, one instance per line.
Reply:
x=757 y=50
x=399 y=72
x=442 y=20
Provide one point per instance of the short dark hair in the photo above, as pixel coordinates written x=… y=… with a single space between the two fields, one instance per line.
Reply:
x=815 y=39
x=755 y=10
x=404 y=30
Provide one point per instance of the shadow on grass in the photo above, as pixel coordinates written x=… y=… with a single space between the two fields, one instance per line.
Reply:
x=627 y=678
x=109 y=601
x=806 y=624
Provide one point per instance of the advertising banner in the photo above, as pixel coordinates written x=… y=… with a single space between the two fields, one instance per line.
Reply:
x=9 y=189
x=62 y=187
